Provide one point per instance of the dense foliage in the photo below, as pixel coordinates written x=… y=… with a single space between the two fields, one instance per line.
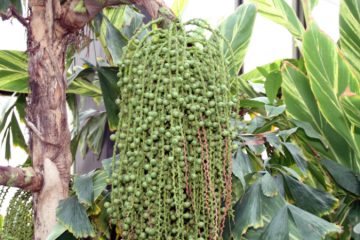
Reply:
x=295 y=171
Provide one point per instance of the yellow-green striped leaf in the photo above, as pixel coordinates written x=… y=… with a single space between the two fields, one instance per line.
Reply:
x=178 y=6
x=350 y=32
x=280 y=12
x=329 y=77
x=351 y=107
x=237 y=29
x=13 y=71
x=301 y=105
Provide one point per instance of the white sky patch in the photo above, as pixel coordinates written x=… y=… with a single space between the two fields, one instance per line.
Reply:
x=13 y=36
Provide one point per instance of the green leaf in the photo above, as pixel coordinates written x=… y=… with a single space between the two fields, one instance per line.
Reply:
x=285 y=134
x=311 y=226
x=256 y=123
x=349 y=32
x=107 y=165
x=13 y=71
x=329 y=77
x=272 y=111
x=291 y=222
x=309 y=130
x=297 y=155
x=251 y=103
x=273 y=140
x=278 y=228
x=5 y=4
x=115 y=41
x=21 y=106
x=301 y=104
x=8 y=146
x=280 y=12
x=108 y=79
x=241 y=166
x=253 y=210
x=310 y=199
x=85 y=88
x=248 y=211
x=343 y=176
x=56 y=232
x=257 y=216
x=178 y=6
x=132 y=22
x=268 y=185
x=99 y=181
x=84 y=188
x=16 y=133
x=95 y=129
x=237 y=30
x=72 y=215
x=351 y=106
x=272 y=85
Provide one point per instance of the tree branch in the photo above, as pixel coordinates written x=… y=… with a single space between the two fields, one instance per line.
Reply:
x=11 y=12
x=24 y=178
x=73 y=20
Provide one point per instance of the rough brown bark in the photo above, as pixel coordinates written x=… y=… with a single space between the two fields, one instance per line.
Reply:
x=51 y=26
x=46 y=112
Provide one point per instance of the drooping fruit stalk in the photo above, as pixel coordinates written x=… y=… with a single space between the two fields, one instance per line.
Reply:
x=174 y=136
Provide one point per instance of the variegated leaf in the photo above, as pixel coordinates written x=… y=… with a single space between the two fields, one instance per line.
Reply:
x=280 y=12
x=349 y=33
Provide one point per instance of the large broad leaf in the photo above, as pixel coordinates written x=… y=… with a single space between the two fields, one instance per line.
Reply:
x=260 y=215
x=133 y=21
x=91 y=131
x=108 y=79
x=84 y=188
x=297 y=155
x=115 y=41
x=71 y=214
x=253 y=210
x=291 y=222
x=116 y=16
x=329 y=77
x=14 y=76
x=278 y=228
x=309 y=225
x=280 y=12
x=309 y=130
x=237 y=29
x=241 y=165
x=272 y=85
x=99 y=182
x=344 y=177
x=349 y=32
x=301 y=104
x=310 y=199
x=13 y=71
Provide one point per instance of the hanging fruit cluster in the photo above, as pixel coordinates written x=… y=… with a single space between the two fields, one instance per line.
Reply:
x=173 y=180
x=18 y=222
